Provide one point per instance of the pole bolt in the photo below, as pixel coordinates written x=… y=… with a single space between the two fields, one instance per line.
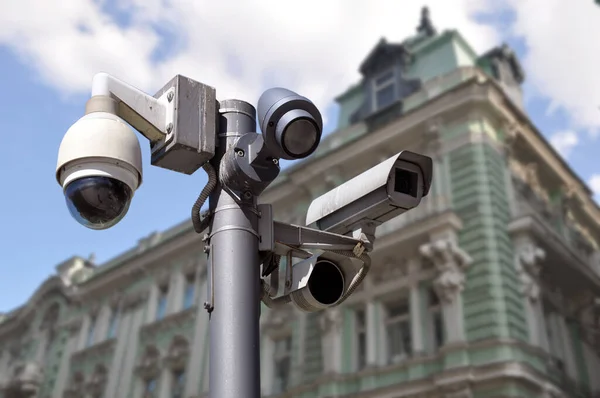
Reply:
x=170 y=96
x=240 y=153
x=206 y=249
x=247 y=195
x=169 y=128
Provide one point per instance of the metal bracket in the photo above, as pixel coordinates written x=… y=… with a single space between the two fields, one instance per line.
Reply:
x=305 y=238
x=265 y=228
x=210 y=278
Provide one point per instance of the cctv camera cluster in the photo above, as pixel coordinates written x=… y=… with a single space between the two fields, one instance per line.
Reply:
x=100 y=168
x=341 y=229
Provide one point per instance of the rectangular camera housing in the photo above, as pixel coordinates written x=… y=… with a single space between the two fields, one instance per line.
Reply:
x=190 y=142
x=377 y=195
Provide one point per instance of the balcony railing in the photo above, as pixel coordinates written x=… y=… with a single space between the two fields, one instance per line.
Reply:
x=528 y=203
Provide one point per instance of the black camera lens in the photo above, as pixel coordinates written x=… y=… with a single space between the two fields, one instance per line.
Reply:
x=98 y=202
x=406 y=182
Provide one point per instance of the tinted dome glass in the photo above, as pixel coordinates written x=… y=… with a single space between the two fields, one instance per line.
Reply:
x=299 y=137
x=98 y=202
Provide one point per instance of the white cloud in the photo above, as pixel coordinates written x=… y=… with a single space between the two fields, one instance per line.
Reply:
x=312 y=46
x=594 y=183
x=564 y=142
x=563 y=55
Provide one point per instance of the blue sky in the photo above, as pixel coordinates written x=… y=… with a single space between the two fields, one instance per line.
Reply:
x=39 y=105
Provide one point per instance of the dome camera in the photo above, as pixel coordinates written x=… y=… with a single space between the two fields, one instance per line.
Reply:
x=99 y=168
x=291 y=124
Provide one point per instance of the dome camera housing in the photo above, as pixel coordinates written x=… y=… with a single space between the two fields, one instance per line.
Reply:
x=99 y=168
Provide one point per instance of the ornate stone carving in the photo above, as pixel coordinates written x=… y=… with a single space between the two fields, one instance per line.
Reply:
x=178 y=353
x=331 y=320
x=278 y=318
x=530 y=259
x=76 y=388
x=451 y=262
x=149 y=364
x=97 y=382
x=391 y=269
x=134 y=299
x=163 y=278
x=432 y=136
x=26 y=380
x=510 y=137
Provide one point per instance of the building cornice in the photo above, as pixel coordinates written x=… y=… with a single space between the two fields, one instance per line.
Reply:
x=513 y=115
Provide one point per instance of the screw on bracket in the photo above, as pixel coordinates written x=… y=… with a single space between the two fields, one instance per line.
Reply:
x=240 y=153
x=275 y=161
x=170 y=96
x=169 y=127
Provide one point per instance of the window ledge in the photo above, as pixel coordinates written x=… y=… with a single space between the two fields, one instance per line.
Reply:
x=95 y=349
x=175 y=319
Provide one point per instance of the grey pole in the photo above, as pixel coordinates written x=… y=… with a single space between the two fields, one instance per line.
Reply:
x=235 y=274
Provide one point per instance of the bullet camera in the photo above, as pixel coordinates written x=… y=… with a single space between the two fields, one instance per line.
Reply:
x=99 y=168
x=291 y=124
x=375 y=196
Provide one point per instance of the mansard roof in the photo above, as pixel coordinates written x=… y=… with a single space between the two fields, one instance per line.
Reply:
x=383 y=49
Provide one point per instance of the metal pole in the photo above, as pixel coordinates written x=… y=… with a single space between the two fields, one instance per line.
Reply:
x=234 y=321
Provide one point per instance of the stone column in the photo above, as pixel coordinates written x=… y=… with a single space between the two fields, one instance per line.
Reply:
x=416 y=320
x=194 y=367
x=137 y=320
x=102 y=324
x=267 y=370
x=567 y=343
x=300 y=335
x=451 y=262
x=529 y=260
x=40 y=354
x=123 y=334
x=83 y=332
x=371 y=318
x=176 y=291
x=331 y=324
x=164 y=382
x=63 y=371
x=152 y=304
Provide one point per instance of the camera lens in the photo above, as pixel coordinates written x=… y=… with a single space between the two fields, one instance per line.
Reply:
x=406 y=182
x=98 y=202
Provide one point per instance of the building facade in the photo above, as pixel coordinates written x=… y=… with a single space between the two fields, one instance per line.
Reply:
x=490 y=288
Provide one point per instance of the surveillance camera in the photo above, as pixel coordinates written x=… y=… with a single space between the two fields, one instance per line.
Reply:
x=320 y=281
x=99 y=167
x=292 y=124
x=375 y=196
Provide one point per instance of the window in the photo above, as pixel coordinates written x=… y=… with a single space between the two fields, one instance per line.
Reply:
x=150 y=388
x=91 y=330
x=178 y=384
x=361 y=339
x=112 y=323
x=283 y=364
x=397 y=325
x=189 y=292
x=161 y=307
x=384 y=89
x=437 y=320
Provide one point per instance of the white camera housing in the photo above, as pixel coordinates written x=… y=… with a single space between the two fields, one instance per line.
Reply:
x=375 y=196
x=100 y=144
